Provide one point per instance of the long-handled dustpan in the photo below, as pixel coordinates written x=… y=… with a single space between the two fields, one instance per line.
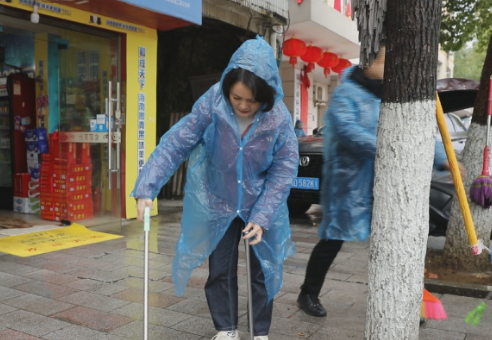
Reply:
x=146 y=270
x=250 y=295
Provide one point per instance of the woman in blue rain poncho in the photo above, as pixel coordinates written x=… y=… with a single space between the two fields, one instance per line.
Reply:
x=351 y=124
x=243 y=155
x=299 y=128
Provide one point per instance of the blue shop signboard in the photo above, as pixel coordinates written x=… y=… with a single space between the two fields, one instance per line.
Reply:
x=189 y=10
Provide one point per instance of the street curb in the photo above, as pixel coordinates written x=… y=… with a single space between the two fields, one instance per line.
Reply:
x=456 y=288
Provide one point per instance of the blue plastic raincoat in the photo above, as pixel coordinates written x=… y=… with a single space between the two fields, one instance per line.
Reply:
x=351 y=122
x=229 y=176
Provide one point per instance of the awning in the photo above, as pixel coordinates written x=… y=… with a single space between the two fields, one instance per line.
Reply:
x=159 y=14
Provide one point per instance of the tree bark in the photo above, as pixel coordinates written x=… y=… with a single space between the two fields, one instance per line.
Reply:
x=457 y=253
x=404 y=159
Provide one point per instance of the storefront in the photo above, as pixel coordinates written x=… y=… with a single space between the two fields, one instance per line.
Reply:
x=78 y=111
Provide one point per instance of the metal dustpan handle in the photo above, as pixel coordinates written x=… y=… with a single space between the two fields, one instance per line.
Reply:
x=250 y=295
x=146 y=270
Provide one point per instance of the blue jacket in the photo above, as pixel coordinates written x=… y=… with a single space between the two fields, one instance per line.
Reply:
x=229 y=176
x=300 y=132
x=351 y=123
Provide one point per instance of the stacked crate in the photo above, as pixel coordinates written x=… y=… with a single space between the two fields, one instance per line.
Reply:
x=65 y=182
x=26 y=185
x=26 y=194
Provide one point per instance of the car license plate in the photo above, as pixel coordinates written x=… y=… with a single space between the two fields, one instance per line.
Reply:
x=306 y=183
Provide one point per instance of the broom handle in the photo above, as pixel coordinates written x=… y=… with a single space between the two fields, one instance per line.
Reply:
x=486 y=151
x=458 y=182
x=488 y=124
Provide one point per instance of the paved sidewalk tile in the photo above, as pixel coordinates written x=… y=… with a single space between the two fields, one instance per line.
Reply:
x=96 y=292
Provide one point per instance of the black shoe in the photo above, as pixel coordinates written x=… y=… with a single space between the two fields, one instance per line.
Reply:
x=309 y=303
x=422 y=321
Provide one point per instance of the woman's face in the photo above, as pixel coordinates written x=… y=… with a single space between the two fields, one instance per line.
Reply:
x=376 y=71
x=242 y=101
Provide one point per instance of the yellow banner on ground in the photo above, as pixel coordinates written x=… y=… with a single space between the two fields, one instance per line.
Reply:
x=41 y=242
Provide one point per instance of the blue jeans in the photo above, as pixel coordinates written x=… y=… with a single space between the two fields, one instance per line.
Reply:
x=221 y=288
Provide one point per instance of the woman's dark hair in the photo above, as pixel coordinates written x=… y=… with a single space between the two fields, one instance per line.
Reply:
x=262 y=92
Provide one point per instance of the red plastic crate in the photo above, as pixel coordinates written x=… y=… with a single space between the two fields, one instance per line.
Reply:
x=80 y=215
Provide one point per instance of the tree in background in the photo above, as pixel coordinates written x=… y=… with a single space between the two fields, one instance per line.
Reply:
x=468 y=62
x=457 y=254
x=464 y=21
x=404 y=159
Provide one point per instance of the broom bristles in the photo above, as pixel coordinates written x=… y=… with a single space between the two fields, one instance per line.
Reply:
x=434 y=311
x=431 y=307
x=481 y=191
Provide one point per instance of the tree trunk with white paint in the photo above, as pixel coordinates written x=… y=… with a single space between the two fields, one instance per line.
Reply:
x=457 y=252
x=404 y=160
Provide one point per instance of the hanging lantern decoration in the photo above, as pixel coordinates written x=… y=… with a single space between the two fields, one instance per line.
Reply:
x=293 y=48
x=327 y=61
x=342 y=65
x=313 y=55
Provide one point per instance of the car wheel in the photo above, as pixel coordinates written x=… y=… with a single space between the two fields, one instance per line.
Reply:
x=297 y=207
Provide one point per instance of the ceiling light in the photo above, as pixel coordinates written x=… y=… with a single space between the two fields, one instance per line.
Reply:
x=35 y=15
x=82 y=2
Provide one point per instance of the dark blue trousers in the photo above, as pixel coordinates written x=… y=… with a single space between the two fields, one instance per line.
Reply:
x=221 y=288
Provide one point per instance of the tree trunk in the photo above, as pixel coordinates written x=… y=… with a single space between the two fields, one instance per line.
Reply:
x=457 y=253
x=404 y=159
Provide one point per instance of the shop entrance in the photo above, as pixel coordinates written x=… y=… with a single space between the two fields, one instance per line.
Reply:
x=73 y=144
x=90 y=122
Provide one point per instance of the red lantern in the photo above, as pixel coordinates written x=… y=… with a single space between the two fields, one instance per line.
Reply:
x=342 y=65
x=313 y=55
x=328 y=60
x=293 y=48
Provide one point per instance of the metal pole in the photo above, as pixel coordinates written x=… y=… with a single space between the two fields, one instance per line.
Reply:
x=250 y=295
x=110 y=114
x=146 y=270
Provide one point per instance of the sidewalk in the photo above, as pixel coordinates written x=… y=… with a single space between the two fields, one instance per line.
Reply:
x=95 y=292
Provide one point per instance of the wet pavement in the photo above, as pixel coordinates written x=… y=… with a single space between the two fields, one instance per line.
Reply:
x=95 y=292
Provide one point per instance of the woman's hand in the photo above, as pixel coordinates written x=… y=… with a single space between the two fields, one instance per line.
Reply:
x=252 y=230
x=142 y=203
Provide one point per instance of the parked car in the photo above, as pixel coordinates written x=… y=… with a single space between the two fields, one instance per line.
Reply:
x=457 y=131
x=455 y=95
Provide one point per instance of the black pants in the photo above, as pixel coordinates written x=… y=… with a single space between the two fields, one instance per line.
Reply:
x=320 y=261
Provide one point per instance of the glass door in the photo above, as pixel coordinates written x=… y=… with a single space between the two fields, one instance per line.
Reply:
x=18 y=153
x=6 y=186
x=88 y=126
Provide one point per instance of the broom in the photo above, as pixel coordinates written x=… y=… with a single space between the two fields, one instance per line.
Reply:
x=481 y=188
x=475 y=247
x=431 y=307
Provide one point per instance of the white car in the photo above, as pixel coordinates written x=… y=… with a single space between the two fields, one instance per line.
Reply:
x=457 y=131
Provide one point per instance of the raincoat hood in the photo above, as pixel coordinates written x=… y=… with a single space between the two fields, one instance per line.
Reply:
x=257 y=56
